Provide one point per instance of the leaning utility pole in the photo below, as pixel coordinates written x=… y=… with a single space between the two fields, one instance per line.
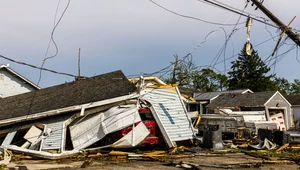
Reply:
x=280 y=24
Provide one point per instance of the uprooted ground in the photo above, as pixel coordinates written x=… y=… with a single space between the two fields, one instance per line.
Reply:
x=165 y=160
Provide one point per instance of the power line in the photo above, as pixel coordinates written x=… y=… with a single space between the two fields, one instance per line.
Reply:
x=53 y=30
x=52 y=38
x=54 y=23
x=40 y=68
x=297 y=57
x=227 y=38
x=190 y=17
x=46 y=58
x=226 y=8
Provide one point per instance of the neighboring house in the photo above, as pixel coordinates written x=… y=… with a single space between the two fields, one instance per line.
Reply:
x=205 y=98
x=294 y=100
x=12 y=83
x=188 y=91
x=273 y=103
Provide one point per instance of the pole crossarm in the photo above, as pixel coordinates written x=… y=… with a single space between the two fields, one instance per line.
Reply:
x=281 y=25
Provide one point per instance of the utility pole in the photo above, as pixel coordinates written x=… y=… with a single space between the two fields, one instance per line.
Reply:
x=280 y=24
x=79 y=63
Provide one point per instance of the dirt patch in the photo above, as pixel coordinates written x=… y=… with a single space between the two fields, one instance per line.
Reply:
x=205 y=161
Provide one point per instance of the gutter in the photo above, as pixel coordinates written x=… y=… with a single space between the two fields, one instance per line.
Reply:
x=81 y=107
x=42 y=154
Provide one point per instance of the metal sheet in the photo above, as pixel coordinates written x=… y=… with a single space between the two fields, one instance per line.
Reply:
x=133 y=138
x=94 y=127
x=170 y=114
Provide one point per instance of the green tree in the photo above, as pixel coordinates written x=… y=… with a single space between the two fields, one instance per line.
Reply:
x=206 y=80
x=186 y=74
x=283 y=85
x=295 y=87
x=249 y=71
x=182 y=72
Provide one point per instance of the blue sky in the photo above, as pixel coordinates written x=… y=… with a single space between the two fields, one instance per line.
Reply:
x=135 y=36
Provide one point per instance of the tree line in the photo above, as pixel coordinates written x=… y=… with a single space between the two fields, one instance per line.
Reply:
x=247 y=72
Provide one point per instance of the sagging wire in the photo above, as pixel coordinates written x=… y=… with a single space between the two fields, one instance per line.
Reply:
x=33 y=66
x=239 y=13
x=266 y=27
x=281 y=56
x=297 y=56
x=46 y=58
x=271 y=57
x=170 y=67
x=227 y=38
x=189 y=17
x=234 y=55
x=207 y=37
x=230 y=8
x=52 y=38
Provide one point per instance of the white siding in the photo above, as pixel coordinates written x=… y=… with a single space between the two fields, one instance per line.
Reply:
x=55 y=140
x=296 y=113
x=171 y=114
x=12 y=85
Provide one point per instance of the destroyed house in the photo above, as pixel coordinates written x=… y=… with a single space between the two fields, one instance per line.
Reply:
x=25 y=117
x=65 y=97
x=102 y=111
x=13 y=83
x=273 y=103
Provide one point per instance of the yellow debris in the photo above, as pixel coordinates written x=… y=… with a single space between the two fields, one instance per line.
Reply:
x=154 y=153
x=117 y=153
x=282 y=147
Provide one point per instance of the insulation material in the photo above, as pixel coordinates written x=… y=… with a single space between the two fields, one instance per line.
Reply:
x=248 y=25
x=135 y=137
x=90 y=129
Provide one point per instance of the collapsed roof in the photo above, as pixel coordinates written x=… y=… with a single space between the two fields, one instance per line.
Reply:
x=98 y=88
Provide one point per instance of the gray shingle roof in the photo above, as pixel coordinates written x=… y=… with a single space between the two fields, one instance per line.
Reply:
x=212 y=95
x=293 y=99
x=257 y=99
x=88 y=90
x=188 y=91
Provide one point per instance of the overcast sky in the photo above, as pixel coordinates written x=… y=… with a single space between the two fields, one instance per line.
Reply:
x=137 y=36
